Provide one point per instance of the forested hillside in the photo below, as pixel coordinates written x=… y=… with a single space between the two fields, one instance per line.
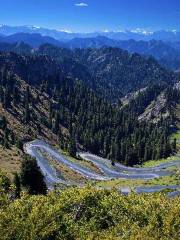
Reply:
x=20 y=47
x=111 y=72
x=38 y=100
x=166 y=53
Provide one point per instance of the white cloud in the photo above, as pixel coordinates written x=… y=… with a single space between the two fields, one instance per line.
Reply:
x=81 y=4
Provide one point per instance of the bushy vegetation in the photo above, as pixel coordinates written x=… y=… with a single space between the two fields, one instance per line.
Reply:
x=88 y=213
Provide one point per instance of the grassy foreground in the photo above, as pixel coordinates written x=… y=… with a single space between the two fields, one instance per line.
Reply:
x=88 y=213
x=10 y=160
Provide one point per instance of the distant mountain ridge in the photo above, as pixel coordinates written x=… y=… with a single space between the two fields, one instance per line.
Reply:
x=136 y=34
x=167 y=53
x=34 y=39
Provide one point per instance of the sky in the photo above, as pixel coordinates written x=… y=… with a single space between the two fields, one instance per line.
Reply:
x=92 y=15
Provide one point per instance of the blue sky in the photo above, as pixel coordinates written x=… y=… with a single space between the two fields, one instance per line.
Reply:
x=92 y=15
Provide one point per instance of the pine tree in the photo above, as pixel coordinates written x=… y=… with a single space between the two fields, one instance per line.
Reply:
x=26 y=113
x=174 y=144
x=17 y=184
x=72 y=147
x=15 y=95
x=4 y=183
x=1 y=94
x=56 y=123
x=6 y=138
x=6 y=98
x=31 y=176
x=19 y=144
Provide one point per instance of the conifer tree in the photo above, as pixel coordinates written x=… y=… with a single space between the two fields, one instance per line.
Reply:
x=17 y=184
x=31 y=176
x=72 y=147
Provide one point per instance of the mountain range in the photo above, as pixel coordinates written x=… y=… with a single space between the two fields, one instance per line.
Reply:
x=97 y=94
x=103 y=100
x=112 y=72
x=137 y=34
x=167 y=53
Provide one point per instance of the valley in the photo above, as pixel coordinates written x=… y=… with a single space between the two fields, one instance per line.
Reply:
x=90 y=120
x=42 y=98
x=154 y=178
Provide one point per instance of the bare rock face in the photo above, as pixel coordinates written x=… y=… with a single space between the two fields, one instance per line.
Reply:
x=155 y=110
x=177 y=85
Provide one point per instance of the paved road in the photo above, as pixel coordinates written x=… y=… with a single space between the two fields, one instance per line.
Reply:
x=33 y=149
x=174 y=194
x=145 y=173
x=109 y=172
x=156 y=188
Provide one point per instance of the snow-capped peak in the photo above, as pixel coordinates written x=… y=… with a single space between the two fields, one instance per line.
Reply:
x=141 y=31
x=64 y=30
x=106 y=31
x=33 y=27
x=174 y=31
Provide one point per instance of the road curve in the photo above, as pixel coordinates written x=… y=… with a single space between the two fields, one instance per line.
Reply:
x=109 y=172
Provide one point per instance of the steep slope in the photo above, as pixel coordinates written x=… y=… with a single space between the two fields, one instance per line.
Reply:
x=19 y=47
x=31 y=68
x=167 y=53
x=25 y=110
x=111 y=72
x=120 y=72
x=38 y=100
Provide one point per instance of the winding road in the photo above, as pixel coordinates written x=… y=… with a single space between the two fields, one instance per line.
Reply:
x=108 y=172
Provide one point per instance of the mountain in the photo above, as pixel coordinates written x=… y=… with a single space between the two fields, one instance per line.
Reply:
x=175 y=45
x=136 y=34
x=172 y=36
x=57 y=34
x=96 y=42
x=120 y=72
x=111 y=72
x=106 y=70
x=19 y=47
x=33 y=39
x=157 y=49
x=39 y=100
x=167 y=53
